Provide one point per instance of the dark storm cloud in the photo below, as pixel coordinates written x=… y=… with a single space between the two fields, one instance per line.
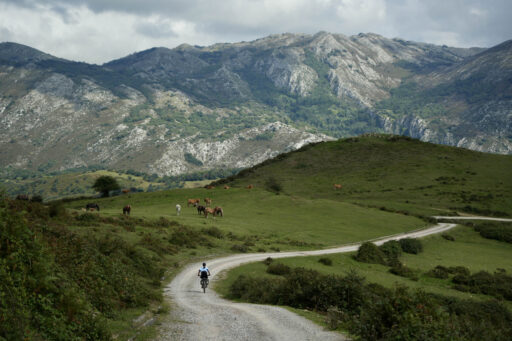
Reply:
x=62 y=27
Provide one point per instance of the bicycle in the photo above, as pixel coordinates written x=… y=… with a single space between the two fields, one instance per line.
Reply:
x=204 y=284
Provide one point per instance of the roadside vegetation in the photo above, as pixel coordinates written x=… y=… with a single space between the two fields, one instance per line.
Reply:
x=468 y=272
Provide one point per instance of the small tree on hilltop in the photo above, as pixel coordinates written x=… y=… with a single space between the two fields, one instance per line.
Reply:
x=104 y=184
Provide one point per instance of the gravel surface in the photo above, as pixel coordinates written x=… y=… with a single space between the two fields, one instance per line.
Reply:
x=198 y=316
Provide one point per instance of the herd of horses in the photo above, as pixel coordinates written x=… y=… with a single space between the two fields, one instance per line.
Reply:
x=216 y=211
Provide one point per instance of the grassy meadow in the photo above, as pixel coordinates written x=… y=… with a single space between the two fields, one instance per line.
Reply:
x=270 y=220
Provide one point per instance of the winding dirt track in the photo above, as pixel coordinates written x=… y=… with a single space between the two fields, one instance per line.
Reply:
x=198 y=316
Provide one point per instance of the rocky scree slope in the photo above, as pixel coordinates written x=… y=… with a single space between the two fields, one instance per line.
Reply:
x=172 y=111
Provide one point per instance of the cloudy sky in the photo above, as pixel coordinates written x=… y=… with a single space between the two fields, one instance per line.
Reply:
x=97 y=31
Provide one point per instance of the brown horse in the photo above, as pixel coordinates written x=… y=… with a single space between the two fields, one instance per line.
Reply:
x=127 y=209
x=210 y=187
x=250 y=187
x=209 y=210
x=226 y=187
x=194 y=202
x=207 y=201
x=218 y=211
x=125 y=191
x=337 y=186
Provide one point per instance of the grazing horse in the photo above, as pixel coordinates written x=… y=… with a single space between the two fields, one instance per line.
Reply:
x=22 y=197
x=194 y=202
x=207 y=201
x=210 y=187
x=337 y=186
x=178 y=209
x=209 y=210
x=218 y=211
x=200 y=209
x=250 y=187
x=127 y=209
x=92 y=206
x=226 y=187
x=125 y=191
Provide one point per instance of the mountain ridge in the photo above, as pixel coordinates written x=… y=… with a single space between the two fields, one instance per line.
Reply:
x=147 y=110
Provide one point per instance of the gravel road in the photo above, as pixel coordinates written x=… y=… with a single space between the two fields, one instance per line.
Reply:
x=198 y=316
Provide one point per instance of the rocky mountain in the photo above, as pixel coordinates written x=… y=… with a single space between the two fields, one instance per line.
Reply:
x=191 y=108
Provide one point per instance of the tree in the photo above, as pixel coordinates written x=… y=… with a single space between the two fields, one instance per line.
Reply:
x=105 y=184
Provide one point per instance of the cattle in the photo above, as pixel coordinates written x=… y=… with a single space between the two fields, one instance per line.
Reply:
x=218 y=211
x=125 y=191
x=209 y=210
x=200 y=209
x=210 y=187
x=22 y=197
x=250 y=187
x=226 y=187
x=92 y=206
x=194 y=202
x=127 y=209
x=207 y=201
x=178 y=209
x=337 y=186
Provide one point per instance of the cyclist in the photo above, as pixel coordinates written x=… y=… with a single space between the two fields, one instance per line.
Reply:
x=203 y=273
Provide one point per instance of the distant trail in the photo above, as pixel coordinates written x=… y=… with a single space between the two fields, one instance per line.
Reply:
x=198 y=316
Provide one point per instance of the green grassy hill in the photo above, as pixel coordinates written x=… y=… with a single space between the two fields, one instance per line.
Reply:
x=391 y=173
x=72 y=263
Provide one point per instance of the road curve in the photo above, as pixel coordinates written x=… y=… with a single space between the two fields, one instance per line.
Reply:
x=198 y=316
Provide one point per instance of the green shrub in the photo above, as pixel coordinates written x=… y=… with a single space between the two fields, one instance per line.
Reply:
x=391 y=249
x=240 y=248
x=400 y=269
x=214 y=232
x=498 y=285
x=448 y=237
x=458 y=270
x=495 y=230
x=325 y=261
x=278 y=269
x=411 y=245
x=439 y=272
x=268 y=261
x=273 y=185
x=370 y=253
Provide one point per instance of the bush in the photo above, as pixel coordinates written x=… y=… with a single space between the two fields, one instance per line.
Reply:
x=268 y=261
x=278 y=269
x=448 y=237
x=325 y=261
x=459 y=270
x=391 y=249
x=370 y=253
x=411 y=245
x=439 y=272
x=498 y=285
x=272 y=185
x=214 y=232
x=497 y=231
x=400 y=269
x=240 y=248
